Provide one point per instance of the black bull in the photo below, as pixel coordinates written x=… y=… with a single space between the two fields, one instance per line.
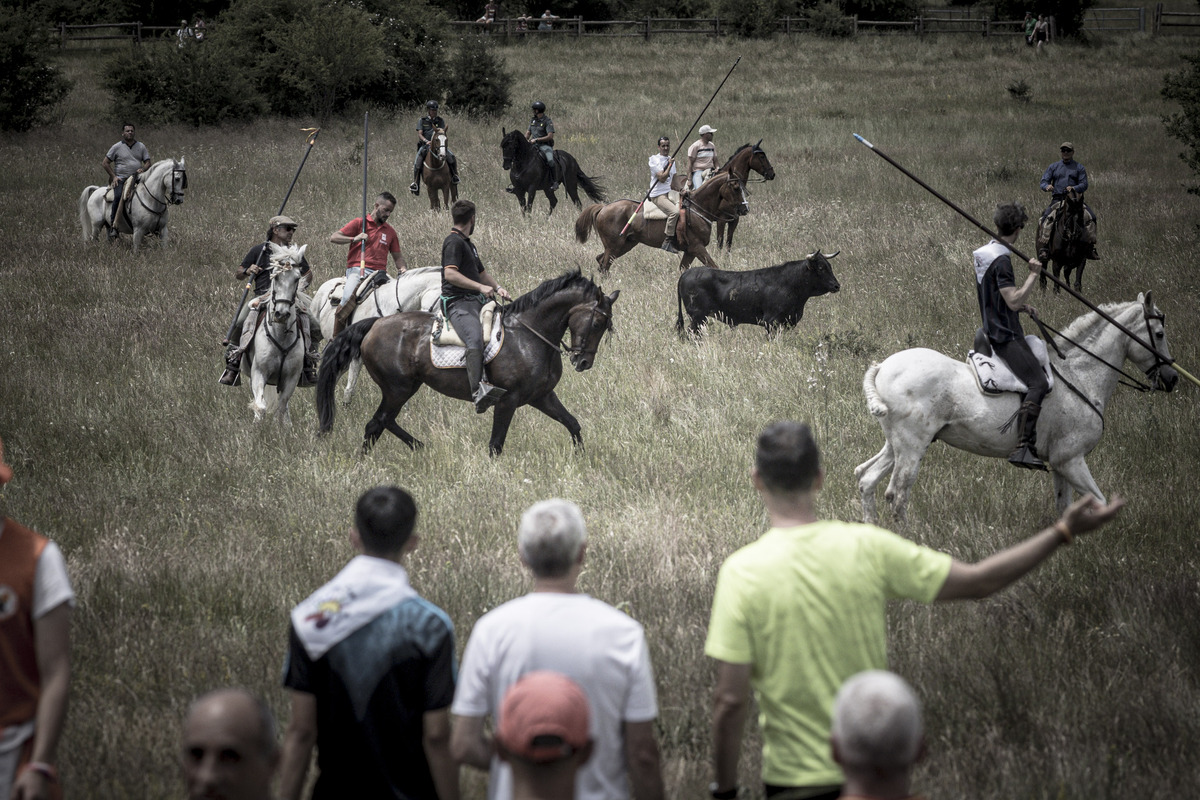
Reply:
x=771 y=297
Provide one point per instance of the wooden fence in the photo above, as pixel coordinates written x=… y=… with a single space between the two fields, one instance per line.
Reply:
x=931 y=21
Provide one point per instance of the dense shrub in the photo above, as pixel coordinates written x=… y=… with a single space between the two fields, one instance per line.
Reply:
x=753 y=18
x=164 y=83
x=479 y=83
x=32 y=87
x=883 y=10
x=828 y=19
x=1183 y=87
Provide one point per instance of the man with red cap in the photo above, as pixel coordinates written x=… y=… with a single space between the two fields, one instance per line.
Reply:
x=543 y=735
x=35 y=665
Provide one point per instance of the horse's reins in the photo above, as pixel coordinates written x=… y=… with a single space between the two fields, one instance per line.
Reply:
x=283 y=351
x=174 y=201
x=709 y=216
x=571 y=351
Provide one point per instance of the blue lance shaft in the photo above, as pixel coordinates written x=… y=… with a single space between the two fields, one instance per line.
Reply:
x=312 y=139
x=686 y=136
x=1161 y=358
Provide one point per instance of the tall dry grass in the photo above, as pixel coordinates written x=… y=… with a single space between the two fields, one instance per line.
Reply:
x=190 y=532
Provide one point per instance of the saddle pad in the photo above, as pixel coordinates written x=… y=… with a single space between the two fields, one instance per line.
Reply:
x=455 y=356
x=995 y=377
x=651 y=211
x=444 y=335
x=364 y=286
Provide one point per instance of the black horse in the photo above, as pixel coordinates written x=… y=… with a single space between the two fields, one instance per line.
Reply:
x=1068 y=247
x=395 y=351
x=528 y=172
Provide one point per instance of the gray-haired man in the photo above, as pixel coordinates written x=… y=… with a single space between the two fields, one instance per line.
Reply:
x=229 y=748
x=877 y=735
x=556 y=628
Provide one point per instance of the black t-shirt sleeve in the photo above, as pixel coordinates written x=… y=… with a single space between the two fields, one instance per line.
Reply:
x=297 y=668
x=439 y=678
x=252 y=257
x=1004 y=272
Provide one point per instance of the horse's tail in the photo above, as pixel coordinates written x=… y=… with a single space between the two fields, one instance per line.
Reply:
x=335 y=359
x=875 y=403
x=595 y=190
x=586 y=221
x=85 y=219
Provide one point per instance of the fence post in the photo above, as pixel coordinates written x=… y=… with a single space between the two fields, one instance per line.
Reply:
x=1141 y=19
x=986 y=27
x=647 y=29
x=855 y=18
x=137 y=33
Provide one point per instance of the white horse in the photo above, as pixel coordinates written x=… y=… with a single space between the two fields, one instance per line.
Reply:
x=416 y=289
x=920 y=395
x=277 y=355
x=160 y=187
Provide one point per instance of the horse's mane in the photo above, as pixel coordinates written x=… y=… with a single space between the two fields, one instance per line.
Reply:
x=568 y=280
x=285 y=254
x=729 y=160
x=1087 y=323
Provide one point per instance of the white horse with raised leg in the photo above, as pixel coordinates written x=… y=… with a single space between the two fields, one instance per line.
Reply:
x=160 y=187
x=920 y=395
x=277 y=355
x=416 y=289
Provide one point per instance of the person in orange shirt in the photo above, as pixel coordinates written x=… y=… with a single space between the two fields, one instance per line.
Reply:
x=35 y=667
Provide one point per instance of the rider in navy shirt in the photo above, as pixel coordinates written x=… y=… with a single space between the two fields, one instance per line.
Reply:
x=1057 y=179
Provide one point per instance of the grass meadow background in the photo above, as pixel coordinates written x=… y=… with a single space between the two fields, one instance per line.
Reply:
x=190 y=532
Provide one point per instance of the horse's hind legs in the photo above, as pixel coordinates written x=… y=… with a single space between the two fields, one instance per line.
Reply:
x=869 y=474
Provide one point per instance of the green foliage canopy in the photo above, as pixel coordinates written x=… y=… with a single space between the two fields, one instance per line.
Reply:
x=1183 y=87
x=479 y=83
x=32 y=86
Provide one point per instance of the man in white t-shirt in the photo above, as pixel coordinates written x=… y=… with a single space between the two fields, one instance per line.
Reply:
x=35 y=668
x=702 y=156
x=556 y=628
x=662 y=170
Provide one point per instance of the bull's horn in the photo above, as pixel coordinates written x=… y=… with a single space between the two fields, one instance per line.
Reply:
x=831 y=255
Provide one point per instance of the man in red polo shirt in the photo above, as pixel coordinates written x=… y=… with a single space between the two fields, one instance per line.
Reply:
x=35 y=667
x=361 y=261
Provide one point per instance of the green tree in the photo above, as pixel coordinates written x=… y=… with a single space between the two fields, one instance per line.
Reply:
x=32 y=86
x=479 y=83
x=1183 y=87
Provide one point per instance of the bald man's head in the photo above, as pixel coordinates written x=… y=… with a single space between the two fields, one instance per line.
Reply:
x=229 y=747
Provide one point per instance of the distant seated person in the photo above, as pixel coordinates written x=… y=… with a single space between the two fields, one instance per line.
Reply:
x=547 y=21
x=543 y=735
x=489 y=14
x=877 y=735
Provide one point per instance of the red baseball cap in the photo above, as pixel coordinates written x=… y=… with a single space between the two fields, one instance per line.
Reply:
x=544 y=717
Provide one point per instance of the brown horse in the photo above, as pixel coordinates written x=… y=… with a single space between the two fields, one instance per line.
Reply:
x=395 y=351
x=722 y=197
x=744 y=159
x=435 y=172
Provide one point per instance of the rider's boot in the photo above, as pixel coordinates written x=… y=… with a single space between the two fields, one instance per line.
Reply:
x=454 y=170
x=1025 y=456
x=1089 y=228
x=344 y=313
x=311 y=356
x=415 y=186
x=483 y=394
x=233 y=366
x=671 y=244
x=553 y=177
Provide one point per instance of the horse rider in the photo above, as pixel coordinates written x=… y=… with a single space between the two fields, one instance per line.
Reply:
x=662 y=170
x=1059 y=178
x=126 y=158
x=425 y=129
x=702 y=156
x=541 y=133
x=466 y=287
x=1000 y=302
x=364 y=261
x=257 y=265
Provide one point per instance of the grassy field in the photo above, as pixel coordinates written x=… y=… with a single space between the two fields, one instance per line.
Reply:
x=190 y=532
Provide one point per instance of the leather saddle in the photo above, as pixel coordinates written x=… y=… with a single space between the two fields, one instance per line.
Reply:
x=444 y=335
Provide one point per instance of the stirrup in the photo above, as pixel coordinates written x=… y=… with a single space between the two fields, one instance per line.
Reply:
x=486 y=396
x=669 y=245
x=510 y=190
x=230 y=377
x=1094 y=255
x=454 y=178
x=1025 y=457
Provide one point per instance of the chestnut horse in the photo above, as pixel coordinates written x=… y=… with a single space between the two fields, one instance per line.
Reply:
x=744 y=159
x=435 y=172
x=721 y=197
x=395 y=351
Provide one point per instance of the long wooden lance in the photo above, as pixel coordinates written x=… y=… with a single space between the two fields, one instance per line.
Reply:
x=1063 y=284
x=362 y=255
x=312 y=139
x=686 y=136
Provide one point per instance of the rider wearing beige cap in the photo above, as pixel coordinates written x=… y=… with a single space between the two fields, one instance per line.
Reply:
x=702 y=156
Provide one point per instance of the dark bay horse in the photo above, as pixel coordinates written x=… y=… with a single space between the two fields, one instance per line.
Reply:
x=435 y=172
x=1068 y=247
x=395 y=351
x=721 y=197
x=529 y=174
x=744 y=159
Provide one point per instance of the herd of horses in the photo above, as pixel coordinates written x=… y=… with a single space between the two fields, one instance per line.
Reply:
x=918 y=396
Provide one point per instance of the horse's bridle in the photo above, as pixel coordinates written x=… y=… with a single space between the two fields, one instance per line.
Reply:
x=573 y=353
x=174 y=199
x=283 y=351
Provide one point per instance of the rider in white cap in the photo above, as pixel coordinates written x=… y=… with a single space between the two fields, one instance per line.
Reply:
x=702 y=156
